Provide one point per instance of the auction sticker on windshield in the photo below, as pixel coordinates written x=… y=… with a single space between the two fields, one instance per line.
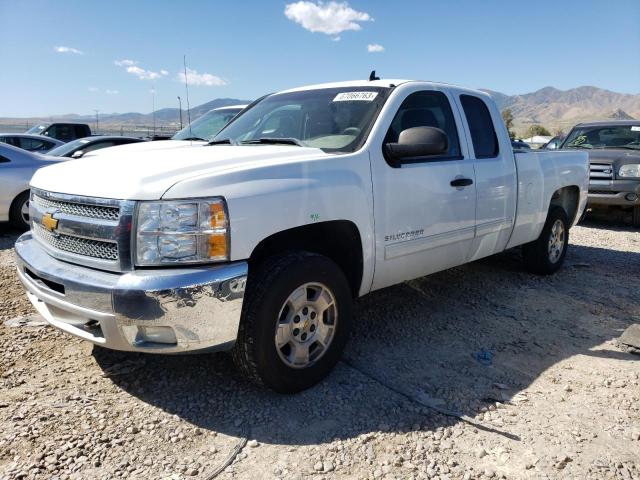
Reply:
x=355 y=96
x=635 y=128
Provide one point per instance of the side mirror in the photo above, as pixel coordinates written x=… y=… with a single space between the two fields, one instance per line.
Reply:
x=418 y=142
x=77 y=154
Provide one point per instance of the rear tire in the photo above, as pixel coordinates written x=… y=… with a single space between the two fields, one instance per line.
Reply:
x=19 y=212
x=295 y=323
x=545 y=255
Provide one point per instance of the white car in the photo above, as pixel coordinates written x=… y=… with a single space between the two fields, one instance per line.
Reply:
x=17 y=166
x=197 y=133
x=259 y=241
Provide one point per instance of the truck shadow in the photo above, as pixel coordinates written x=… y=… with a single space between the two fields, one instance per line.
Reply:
x=447 y=339
x=8 y=236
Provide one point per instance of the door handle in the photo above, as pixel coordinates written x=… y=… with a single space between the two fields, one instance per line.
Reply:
x=461 y=182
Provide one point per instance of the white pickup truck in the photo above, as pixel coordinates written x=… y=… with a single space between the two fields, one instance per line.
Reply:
x=259 y=241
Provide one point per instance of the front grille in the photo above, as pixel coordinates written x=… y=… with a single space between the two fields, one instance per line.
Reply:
x=600 y=171
x=79 y=209
x=80 y=246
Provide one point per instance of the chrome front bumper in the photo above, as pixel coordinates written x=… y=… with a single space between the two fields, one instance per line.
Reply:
x=160 y=311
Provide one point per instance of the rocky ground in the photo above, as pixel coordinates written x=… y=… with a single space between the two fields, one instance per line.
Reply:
x=483 y=371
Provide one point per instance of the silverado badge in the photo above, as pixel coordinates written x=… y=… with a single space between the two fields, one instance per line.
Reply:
x=49 y=222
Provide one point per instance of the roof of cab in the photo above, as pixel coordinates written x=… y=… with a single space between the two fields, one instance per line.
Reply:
x=383 y=83
x=610 y=123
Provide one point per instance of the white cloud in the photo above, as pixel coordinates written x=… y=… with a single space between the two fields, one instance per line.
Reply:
x=374 y=48
x=206 y=79
x=331 y=18
x=131 y=66
x=93 y=89
x=75 y=51
x=125 y=62
x=111 y=92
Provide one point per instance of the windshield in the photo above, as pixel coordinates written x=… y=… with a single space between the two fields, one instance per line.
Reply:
x=333 y=119
x=67 y=148
x=613 y=136
x=37 y=129
x=207 y=126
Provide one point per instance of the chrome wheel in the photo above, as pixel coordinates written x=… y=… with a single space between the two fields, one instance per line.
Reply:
x=306 y=325
x=24 y=212
x=556 y=241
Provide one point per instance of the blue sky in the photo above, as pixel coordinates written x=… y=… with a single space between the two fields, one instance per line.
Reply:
x=244 y=49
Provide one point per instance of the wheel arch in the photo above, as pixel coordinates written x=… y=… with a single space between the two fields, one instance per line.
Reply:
x=569 y=199
x=338 y=240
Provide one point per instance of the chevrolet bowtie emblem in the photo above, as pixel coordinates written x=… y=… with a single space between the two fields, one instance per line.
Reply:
x=49 y=222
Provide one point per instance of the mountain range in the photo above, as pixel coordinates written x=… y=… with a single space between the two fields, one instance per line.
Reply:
x=553 y=108
x=561 y=109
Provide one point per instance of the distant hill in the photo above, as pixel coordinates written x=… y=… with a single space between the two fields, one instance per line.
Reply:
x=164 y=116
x=561 y=109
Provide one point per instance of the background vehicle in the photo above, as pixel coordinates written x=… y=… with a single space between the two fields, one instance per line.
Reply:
x=82 y=146
x=208 y=125
x=64 y=132
x=259 y=241
x=553 y=144
x=520 y=146
x=202 y=129
x=30 y=143
x=17 y=166
x=614 y=157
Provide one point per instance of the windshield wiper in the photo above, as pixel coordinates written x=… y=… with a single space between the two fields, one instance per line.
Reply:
x=194 y=138
x=579 y=146
x=224 y=141
x=273 y=141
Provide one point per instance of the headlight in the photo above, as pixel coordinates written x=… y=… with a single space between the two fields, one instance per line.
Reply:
x=182 y=231
x=629 y=171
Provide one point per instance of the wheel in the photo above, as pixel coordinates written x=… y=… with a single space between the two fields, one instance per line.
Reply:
x=636 y=216
x=19 y=212
x=295 y=321
x=545 y=255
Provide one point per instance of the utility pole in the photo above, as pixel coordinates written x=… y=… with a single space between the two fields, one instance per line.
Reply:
x=153 y=108
x=97 y=120
x=180 y=108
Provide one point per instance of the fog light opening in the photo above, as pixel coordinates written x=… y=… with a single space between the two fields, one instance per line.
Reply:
x=632 y=197
x=164 y=335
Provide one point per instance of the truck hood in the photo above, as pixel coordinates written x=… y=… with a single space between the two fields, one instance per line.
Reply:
x=145 y=147
x=148 y=174
x=615 y=156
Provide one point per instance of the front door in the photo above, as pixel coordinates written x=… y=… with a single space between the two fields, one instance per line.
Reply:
x=424 y=209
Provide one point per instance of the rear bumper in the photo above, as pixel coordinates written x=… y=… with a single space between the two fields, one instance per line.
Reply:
x=624 y=193
x=160 y=311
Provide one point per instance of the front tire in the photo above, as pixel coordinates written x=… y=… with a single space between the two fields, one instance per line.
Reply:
x=545 y=255
x=19 y=212
x=295 y=321
x=636 y=216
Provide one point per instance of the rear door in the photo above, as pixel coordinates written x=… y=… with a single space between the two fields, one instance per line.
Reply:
x=496 y=179
x=423 y=223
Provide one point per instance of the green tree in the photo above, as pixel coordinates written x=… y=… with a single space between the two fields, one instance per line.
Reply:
x=507 y=116
x=538 y=130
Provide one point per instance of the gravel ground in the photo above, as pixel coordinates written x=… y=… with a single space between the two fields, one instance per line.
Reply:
x=482 y=371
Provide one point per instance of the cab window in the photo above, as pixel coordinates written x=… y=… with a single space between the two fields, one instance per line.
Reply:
x=427 y=109
x=483 y=133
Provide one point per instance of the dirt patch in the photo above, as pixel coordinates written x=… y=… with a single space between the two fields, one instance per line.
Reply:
x=527 y=369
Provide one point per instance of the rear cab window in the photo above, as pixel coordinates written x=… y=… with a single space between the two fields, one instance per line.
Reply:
x=483 y=132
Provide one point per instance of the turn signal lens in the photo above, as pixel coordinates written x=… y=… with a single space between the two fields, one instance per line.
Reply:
x=217 y=246
x=218 y=217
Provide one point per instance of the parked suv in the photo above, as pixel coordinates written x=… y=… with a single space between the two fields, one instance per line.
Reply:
x=62 y=131
x=614 y=157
